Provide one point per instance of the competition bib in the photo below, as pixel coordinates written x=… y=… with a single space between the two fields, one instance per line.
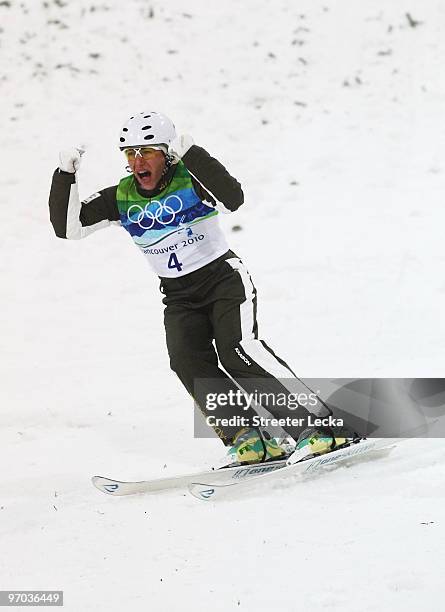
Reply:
x=176 y=231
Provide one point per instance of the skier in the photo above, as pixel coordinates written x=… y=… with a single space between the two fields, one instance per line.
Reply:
x=169 y=204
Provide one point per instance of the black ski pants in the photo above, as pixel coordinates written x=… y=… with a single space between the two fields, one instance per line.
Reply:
x=211 y=314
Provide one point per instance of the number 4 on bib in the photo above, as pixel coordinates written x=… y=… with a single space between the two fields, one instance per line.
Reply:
x=173 y=262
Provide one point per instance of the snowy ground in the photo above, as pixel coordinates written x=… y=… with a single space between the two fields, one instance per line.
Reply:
x=330 y=114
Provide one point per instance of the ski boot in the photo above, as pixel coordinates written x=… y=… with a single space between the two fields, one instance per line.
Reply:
x=254 y=446
x=313 y=441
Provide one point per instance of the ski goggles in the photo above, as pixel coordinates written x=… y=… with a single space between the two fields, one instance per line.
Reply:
x=146 y=152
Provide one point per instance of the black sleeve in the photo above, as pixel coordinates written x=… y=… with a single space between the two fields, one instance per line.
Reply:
x=98 y=207
x=214 y=177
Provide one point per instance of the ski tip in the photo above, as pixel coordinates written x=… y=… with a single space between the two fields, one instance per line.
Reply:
x=106 y=485
x=205 y=492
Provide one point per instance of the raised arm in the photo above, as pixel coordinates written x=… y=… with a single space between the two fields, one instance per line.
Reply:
x=72 y=218
x=209 y=172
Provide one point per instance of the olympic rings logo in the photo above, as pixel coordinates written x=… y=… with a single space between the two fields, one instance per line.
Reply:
x=163 y=213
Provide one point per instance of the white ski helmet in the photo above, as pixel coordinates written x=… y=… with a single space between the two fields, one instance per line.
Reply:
x=147 y=129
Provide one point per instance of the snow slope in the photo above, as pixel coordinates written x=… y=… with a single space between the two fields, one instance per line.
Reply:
x=330 y=114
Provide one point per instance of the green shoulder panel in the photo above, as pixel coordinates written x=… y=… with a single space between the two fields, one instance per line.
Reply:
x=127 y=193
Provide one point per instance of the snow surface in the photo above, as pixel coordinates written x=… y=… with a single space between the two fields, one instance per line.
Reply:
x=330 y=112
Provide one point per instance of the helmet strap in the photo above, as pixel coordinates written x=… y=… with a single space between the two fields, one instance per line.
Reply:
x=163 y=181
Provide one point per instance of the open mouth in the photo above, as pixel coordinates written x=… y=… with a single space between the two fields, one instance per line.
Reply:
x=145 y=174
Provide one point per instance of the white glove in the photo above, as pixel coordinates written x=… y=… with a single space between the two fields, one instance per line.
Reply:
x=70 y=159
x=179 y=147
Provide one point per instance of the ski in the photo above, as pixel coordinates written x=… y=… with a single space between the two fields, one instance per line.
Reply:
x=209 y=489
x=201 y=483
x=215 y=483
x=220 y=476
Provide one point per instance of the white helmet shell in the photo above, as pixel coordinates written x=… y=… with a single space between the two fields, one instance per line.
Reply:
x=147 y=129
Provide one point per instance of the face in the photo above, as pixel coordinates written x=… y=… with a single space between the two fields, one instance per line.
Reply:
x=147 y=165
